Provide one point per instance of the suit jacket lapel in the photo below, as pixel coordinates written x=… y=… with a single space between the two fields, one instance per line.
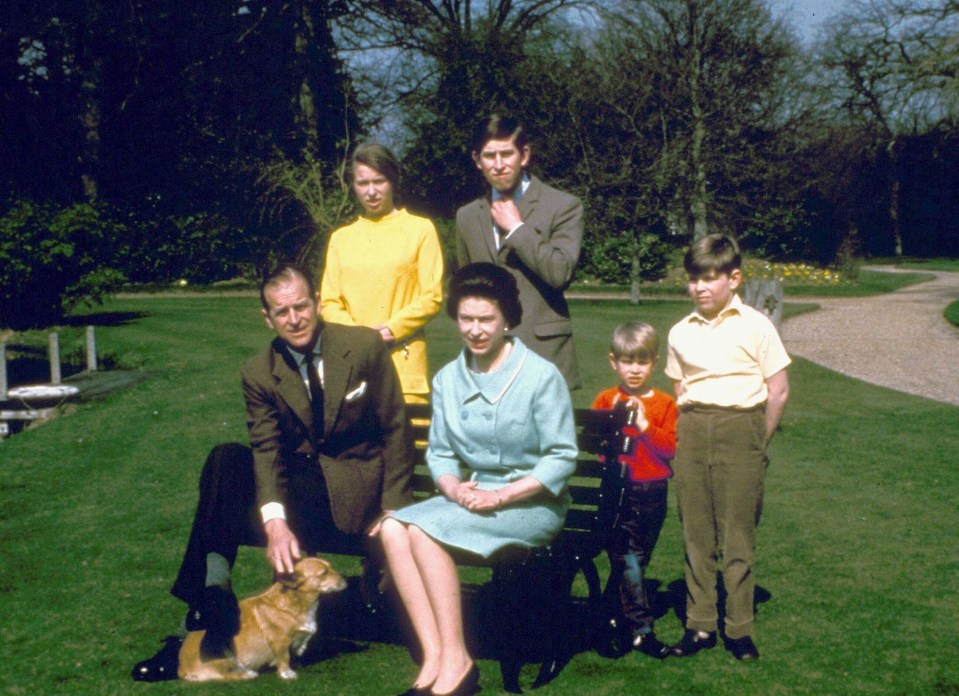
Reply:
x=290 y=384
x=484 y=221
x=337 y=372
x=527 y=204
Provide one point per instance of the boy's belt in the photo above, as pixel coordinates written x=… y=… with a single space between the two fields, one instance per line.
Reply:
x=713 y=408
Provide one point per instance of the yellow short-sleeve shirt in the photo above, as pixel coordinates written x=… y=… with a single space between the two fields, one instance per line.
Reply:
x=725 y=362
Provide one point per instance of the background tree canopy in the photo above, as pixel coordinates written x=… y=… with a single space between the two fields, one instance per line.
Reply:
x=208 y=139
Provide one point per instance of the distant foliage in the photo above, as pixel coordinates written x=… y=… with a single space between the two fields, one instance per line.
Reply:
x=52 y=259
x=200 y=248
x=611 y=259
x=316 y=195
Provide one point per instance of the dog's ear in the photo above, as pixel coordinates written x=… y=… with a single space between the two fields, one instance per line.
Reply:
x=290 y=581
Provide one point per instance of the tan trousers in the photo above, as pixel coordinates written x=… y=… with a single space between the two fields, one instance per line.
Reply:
x=719 y=469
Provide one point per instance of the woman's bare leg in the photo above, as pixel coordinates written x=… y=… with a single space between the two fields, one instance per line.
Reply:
x=443 y=591
x=409 y=583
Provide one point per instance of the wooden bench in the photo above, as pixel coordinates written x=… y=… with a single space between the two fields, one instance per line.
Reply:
x=534 y=587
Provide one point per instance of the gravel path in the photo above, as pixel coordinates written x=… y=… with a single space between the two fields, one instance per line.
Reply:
x=898 y=340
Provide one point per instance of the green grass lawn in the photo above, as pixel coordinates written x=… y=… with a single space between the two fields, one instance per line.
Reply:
x=857 y=552
x=943 y=264
x=951 y=312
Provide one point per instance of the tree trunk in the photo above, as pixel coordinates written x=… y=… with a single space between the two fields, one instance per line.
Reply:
x=698 y=195
x=306 y=116
x=698 y=203
x=634 y=274
x=90 y=152
x=894 y=198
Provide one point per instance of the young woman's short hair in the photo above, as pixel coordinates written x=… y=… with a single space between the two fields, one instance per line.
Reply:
x=489 y=282
x=717 y=253
x=635 y=339
x=378 y=157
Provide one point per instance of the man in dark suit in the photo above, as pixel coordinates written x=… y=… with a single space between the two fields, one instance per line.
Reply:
x=329 y=455
x=531 y=229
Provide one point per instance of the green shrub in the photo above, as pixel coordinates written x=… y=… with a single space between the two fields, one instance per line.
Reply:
x=200 y=248
x=952 y=313
x=53 y=259
x=611 y=259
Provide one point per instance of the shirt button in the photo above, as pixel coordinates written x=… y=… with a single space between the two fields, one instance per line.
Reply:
x=488 y=416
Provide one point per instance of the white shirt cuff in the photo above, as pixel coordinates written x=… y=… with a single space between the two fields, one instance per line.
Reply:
x=515 y=227
x=273 y=511
x=499 y=239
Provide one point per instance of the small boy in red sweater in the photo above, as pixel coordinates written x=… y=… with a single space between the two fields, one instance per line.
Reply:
x=633 y=351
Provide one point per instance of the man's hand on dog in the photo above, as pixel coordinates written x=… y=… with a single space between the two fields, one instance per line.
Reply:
x=282 y=548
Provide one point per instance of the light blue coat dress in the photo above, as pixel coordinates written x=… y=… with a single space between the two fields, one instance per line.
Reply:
x=496 y=428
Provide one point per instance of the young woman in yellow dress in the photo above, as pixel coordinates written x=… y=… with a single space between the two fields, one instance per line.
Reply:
x=385 y=270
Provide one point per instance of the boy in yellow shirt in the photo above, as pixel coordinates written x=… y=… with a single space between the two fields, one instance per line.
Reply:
x=728 y=367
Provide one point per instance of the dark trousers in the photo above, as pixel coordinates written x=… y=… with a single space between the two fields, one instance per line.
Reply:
x=631 y=548
x=227 y=515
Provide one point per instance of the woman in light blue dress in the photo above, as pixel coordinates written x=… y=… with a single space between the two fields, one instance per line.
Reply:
x=502 y=447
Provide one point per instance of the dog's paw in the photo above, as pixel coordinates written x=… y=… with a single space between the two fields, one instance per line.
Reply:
x=241 y=673
x=287 y=674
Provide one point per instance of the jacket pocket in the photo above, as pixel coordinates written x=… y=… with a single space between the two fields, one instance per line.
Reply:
x=562 y=327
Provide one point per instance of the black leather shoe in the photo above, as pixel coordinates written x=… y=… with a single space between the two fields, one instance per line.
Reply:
x=417 y=691
x=220 y=616
x=692 y=643
x=743 y=648
x=649 y=644
x=163 y=665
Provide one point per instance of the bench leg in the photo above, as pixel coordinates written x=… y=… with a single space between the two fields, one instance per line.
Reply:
x=508 y=589
x=558 y=605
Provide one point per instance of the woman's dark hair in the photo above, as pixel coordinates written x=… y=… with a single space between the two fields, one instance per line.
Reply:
x=490 y=282
x=378 y=157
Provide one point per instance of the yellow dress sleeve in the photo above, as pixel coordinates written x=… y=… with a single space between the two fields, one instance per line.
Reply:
x=428 y=295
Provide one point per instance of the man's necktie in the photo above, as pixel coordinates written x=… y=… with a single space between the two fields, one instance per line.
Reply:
x=316 y=396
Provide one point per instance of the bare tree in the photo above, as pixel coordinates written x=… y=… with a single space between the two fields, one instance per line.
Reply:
x=426 y=70
x=718 y=77
x=893 y=69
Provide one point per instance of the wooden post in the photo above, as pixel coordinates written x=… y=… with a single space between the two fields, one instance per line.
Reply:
x=91 y=350
x=3 y=371
x=54 y=358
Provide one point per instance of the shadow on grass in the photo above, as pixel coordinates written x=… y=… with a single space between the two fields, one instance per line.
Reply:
x=29 y=362
x=104 y=318
x=347 y=626
x=32 y=365
x=676 y=596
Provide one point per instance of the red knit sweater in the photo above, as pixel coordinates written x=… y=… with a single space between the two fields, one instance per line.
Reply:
x=650 y=451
